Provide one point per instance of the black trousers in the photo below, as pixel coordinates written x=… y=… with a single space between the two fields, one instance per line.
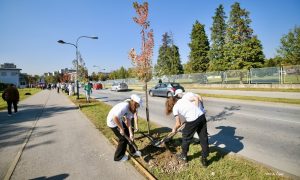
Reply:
x=199 y=126
x=122 y=143
x=9 y=104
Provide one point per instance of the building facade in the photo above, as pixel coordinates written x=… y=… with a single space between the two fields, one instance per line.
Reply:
x=10 y=74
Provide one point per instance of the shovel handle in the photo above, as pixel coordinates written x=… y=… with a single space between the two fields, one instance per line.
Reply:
x=171 y=134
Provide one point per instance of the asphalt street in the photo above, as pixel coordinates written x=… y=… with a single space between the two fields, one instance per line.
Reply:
x=262 y=131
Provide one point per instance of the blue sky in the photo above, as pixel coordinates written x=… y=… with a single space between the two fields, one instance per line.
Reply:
x=29 y=30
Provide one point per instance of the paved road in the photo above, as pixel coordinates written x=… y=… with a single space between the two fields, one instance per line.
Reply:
x=262 y=131
x=64 y=143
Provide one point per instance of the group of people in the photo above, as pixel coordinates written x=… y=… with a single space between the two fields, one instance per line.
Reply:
x=67 y=87
x=70 y=89
x=123 y=121
x=12 y=97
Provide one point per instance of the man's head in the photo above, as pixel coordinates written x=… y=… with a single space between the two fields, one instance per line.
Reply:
x=135 y=102
x=178 y=93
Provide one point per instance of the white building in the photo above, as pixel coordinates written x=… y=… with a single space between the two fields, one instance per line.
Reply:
x=10 y=74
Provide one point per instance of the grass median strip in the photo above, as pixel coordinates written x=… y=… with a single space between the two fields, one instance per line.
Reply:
x=161 y=161
x=254 y=98
x=251 y=98
x=32 y=91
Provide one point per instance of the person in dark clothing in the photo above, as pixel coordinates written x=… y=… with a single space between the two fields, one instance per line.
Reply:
x=195 y=122
x=11 y=96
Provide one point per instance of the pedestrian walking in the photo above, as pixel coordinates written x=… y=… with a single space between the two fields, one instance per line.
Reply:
x=58 y=87
x=119 y=121
x=88 y=91
x=11 y=96
x=195 y=122
x=70 y=87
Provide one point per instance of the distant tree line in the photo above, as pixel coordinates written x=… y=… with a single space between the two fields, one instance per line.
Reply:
x=233 y=46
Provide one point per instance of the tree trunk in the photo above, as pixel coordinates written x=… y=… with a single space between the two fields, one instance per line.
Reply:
x=147 y=108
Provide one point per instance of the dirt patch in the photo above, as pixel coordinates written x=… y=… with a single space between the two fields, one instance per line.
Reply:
x=164 y=157
x=167 y=162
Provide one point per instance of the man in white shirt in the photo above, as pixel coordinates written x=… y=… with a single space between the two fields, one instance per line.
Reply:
x=119 y=120
x=195 y=122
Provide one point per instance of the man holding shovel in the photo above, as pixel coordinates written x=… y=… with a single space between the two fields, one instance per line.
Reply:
x=119 y=120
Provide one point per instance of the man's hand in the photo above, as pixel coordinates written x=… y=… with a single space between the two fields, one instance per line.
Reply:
x=173 y=130
x=131 y=137
x=122 y=131
x=136 y=129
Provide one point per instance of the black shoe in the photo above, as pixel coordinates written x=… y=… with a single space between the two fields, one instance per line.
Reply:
x=204 y=162
x=182 y=157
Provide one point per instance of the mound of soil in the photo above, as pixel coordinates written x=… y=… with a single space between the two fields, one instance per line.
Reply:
x=168 y=162
x=163 y=158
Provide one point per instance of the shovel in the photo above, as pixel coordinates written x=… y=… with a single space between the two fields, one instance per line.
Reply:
x=131 y=142
x=170 y=135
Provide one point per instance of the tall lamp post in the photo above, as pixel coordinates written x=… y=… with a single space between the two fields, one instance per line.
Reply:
x=76 y=46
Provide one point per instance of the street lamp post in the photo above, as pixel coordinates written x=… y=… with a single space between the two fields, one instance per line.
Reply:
x=76 y=46
x=99 y=68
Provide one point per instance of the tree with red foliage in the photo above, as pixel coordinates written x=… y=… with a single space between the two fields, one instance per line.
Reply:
x=142 y=62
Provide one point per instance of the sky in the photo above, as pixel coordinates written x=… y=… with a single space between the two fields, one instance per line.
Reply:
x=29 y=30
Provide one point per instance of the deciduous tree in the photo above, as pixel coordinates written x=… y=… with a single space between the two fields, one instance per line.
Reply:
x=289 y=49
x=142 y=62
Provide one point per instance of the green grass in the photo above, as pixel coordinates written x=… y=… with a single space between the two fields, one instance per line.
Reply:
x=254 y=98
x=22 y=92
x=221 y=166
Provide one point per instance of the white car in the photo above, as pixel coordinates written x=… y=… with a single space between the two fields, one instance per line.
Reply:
x=119 y=87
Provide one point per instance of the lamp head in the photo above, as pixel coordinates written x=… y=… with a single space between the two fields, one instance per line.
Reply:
x=61 y=41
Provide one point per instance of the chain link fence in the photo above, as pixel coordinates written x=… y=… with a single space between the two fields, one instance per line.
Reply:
x=269 y=75
x=291 y=74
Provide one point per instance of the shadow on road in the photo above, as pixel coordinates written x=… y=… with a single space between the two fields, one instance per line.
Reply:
x=221 y=144
x=225 y=142
x=57 y=177
x=228 y=111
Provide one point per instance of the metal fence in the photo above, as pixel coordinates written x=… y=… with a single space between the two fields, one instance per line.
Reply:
x=269 y=75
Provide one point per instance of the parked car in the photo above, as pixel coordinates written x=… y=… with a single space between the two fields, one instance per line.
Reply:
x=98 y=86
x=165 y=89
x=119 y=87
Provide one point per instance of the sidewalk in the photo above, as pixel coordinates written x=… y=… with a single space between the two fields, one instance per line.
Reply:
x=270 y=94
x=64 y=144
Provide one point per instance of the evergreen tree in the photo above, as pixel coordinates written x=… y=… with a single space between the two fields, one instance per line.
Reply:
x=242 y=50
x=176 y=66
x=289 y=50
x=168 y=62
x=218 y=32
x=198 y=58
x=161 y=67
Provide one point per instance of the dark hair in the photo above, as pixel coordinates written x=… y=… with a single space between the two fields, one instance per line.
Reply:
x=170 y=102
